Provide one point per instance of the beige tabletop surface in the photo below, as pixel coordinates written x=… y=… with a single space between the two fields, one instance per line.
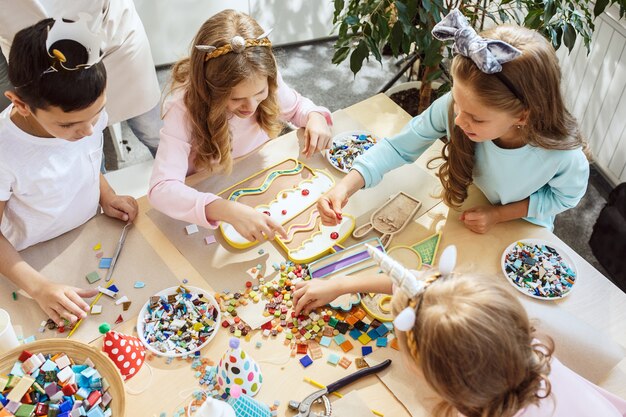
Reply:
x=595 y=303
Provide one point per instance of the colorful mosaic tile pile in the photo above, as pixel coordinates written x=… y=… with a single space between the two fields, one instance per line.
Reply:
x=304 y=334
x=53 y=385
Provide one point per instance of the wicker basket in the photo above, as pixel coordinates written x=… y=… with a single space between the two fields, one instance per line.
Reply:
x=78 y=352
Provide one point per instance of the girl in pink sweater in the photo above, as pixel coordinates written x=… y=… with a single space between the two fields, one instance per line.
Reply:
x=227 y=99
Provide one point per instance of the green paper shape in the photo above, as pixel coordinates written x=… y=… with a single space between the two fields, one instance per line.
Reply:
x=427 y=248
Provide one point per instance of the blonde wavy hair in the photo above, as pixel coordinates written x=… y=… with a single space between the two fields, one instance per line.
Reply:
x=537 y=76
x=207 y=86
x=474 y=343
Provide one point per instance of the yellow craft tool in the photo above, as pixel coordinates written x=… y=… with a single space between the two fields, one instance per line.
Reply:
x=320 y=386
x=95 y=300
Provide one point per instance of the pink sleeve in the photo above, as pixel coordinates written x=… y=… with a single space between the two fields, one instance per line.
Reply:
x=168 y=192
x=295 y=108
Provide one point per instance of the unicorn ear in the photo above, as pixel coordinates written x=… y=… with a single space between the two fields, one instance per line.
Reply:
x=405 y=320
x=447 y=261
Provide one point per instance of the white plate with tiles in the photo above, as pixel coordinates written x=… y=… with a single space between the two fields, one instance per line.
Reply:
x=566 y=261
x=171 y=291
x=346 y=137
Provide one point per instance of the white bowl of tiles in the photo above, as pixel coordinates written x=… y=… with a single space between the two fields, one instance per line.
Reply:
x=346 y=146
x=539 y=269
x=175 y=325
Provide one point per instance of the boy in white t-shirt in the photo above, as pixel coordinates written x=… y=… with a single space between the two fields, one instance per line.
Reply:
x=51 y=153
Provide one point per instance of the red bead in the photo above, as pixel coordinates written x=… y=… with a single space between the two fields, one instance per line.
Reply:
x=334 y=235
x=284 y=212
x=305 y=192
x=248 y=284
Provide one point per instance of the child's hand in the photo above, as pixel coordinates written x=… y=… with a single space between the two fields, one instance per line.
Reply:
x=253 y=225
x=314 y=293
x=121 y=207
x=480 y=219
x=330 y=205
x=62 y=301
x=317 y=134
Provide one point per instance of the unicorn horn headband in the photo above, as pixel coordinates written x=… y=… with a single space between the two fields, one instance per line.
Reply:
x=79 y=31
x=408 y=281
x=487 y=54
x=237 y=44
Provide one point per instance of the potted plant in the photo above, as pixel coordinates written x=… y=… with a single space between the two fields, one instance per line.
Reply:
x=404 y=28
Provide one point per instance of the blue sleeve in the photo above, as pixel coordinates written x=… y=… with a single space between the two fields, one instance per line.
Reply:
x=564 y=190
x=406 y=146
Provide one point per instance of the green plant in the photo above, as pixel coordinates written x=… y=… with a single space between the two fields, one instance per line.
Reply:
x=366 y=26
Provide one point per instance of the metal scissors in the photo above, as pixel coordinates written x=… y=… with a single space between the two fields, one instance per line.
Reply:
x=118 y=249
x=304 y=407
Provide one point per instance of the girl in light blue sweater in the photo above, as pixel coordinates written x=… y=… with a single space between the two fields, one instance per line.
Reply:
x=508 y=131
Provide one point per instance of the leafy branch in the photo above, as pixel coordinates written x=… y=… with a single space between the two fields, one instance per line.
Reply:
x=366 y=27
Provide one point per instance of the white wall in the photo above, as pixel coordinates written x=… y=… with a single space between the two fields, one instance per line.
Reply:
x=594 y=89
x=172 y=24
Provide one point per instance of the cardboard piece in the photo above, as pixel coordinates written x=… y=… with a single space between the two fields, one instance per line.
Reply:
x=408 y=386
x=350 y=405
x=70 y=257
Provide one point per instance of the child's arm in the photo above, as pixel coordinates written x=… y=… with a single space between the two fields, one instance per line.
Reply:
x=121 y=207
x=330 y=205
x=302 y=112
x=169 y=194
x=318 y=292
x=317 y=134
x=248 y=222
x=564 y=190
x=56 y=300
x=482 y=218
x=388 y=154
x=408 y=145
x=561 y=192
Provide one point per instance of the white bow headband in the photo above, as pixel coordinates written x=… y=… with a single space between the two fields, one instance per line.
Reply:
x=487 y=54
x=408 y=281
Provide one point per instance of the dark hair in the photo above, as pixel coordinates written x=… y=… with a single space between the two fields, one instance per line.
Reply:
x=69 y=90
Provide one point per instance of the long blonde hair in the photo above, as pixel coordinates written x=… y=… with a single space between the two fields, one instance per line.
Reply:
x=536 y=76
x=474 y=343
x=207 y=85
